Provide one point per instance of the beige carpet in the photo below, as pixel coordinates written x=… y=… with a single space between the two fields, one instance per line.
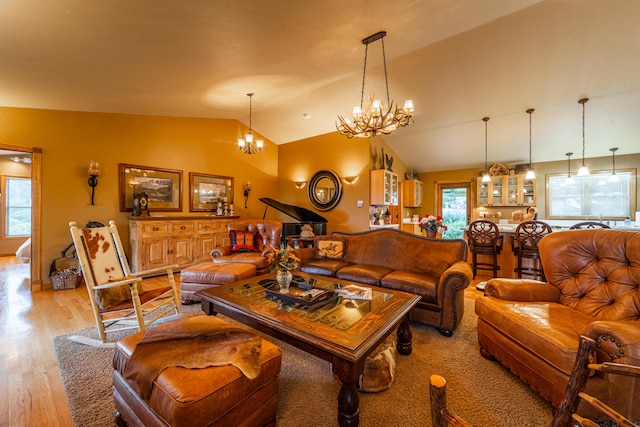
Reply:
x=482 y=392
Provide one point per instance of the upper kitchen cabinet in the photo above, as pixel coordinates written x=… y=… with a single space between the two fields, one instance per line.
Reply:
x=383 y=188
x=412 y=193
x=506 y=190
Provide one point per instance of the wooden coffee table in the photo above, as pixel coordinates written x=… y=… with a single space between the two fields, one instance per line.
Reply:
x=341 y=331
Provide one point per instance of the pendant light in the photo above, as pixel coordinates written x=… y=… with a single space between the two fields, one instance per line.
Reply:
x=569 y=180
x=247 y=145
x=530 y=173
x=486 y=177
x=583 y=171
x=613 y=177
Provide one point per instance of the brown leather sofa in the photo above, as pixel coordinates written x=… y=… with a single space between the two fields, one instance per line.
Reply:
x=435 y=269
x=533 y=328
x=268 y=237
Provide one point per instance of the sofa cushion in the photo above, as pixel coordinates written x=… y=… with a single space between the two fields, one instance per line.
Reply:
x=549 y=330
x=415 y=283
x=328 y=247
x=243 y=241
x=324 y=267
x=363 y=273
x=254 y=258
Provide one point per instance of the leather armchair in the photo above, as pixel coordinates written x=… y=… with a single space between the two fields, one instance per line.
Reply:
x=592 y=289
x=267 y=238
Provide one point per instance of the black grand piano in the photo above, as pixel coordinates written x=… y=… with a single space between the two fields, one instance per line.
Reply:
x=302 y=215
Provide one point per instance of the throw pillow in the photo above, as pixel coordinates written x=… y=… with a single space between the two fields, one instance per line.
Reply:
x=329 y=248
x=242 y=241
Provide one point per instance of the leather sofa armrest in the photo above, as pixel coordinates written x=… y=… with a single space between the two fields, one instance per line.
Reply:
x=521 y=290
x=617 y=341
x=220 y=251
x=306 y=255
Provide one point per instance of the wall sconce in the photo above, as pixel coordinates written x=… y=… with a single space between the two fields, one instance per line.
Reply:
x=351 y=179
x=94 y=172
x=247 y=189
x=300 y=184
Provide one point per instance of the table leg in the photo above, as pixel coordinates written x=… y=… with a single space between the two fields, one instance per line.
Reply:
x=348 y=405
x=404 y=338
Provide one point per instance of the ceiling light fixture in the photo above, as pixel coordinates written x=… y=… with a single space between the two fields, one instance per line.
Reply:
x=486 y=177
x=613 y=177
x=569 y=180
x=530 y=173
x=247 y=145
x=583 y=171
x=376 y=119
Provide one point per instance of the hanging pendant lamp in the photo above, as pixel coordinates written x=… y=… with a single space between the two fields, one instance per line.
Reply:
x=583 y=171
x=486 y=177
x=569 y=180
x=613 y=177
x=530 y=173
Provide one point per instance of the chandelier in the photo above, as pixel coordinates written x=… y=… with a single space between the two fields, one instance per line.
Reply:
x=377 y=119
x=246 y=144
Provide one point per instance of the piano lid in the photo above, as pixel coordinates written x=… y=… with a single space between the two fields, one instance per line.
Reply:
x=296 y=212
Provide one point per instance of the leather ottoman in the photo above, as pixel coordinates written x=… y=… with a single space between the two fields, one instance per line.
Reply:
x=207 y=274
x=214 y=396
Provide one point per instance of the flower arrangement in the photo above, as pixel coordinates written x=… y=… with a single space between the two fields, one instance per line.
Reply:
x=282 y=259
x=434 y=223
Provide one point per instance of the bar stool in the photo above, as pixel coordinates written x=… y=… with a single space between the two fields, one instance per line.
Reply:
x=484 y=239
x=524 y=243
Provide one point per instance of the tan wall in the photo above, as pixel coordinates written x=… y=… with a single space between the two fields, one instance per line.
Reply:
x=299 y=160
x=8 y=246
x=69 y=140
x=430 y=179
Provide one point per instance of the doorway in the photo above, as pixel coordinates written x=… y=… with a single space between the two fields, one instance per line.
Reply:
x=453 y=204
x=35 y=155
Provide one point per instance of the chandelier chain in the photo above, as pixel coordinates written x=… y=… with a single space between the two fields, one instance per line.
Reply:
x=386 y=79
x=364 y=73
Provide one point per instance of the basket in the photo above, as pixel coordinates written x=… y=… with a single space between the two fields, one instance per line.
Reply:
x=65 y=272
x=66 y=279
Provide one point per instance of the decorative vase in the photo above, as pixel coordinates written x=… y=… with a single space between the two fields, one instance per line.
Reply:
x=431 y=233
x=284 y=278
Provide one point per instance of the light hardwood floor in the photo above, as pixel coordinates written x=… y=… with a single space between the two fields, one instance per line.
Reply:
x=31 y=391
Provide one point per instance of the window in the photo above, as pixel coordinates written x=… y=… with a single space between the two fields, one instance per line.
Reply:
x=591 y=196
x=17 y=206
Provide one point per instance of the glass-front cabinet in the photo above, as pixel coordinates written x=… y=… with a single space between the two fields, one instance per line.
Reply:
x=412 y=193
x=506 y=190
x=383 y=188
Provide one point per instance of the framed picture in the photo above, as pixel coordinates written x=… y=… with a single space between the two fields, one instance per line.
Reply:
x=206 y=191
x=162 y=186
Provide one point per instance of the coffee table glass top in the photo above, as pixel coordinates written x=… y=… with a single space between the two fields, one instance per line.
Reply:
x=325 y=307
x=329 y=319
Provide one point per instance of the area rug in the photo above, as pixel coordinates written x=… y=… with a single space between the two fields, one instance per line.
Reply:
x=482 y=392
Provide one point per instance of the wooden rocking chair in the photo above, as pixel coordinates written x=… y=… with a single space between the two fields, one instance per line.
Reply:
x=115 y=293
x=566 y=415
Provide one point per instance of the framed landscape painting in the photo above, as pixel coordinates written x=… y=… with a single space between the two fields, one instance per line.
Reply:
x=206 y=191
x=162 y=186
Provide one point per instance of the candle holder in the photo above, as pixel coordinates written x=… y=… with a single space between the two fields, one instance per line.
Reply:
x=94 y=172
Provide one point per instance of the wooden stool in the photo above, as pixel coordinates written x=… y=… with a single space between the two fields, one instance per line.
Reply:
x=215 y=396
x=207 y=274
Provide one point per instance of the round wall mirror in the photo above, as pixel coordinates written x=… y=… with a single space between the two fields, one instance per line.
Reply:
x=325 y=190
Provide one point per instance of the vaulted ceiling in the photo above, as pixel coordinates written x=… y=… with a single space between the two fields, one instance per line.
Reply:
x=459 y=60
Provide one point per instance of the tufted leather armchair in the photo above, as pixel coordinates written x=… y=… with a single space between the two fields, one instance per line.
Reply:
x=592 y=289
x=268 y=232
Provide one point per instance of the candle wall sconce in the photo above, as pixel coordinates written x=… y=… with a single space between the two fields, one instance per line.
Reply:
x=94 y=172
x=247 y=189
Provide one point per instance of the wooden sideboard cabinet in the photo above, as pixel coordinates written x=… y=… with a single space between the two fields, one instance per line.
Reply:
x=160 y=241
